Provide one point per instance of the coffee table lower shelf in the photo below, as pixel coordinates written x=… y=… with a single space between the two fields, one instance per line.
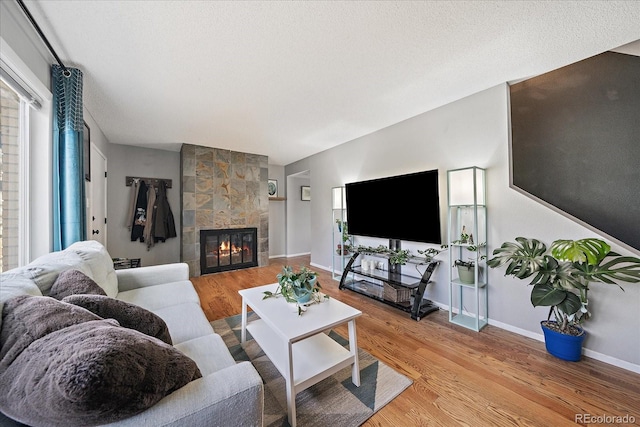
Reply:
x=314 y=358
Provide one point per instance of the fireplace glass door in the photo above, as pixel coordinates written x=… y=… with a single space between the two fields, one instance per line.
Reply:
x=227 y=249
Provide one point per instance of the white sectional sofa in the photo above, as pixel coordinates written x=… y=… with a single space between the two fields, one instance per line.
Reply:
x=227 y=394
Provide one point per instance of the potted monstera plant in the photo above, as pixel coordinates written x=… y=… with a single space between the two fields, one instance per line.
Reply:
x=560 y=278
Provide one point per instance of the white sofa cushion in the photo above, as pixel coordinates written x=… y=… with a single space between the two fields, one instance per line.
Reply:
x=209 y=352
x=185 y=321
x=163 y=295
x=229 y=397
x=134 y=278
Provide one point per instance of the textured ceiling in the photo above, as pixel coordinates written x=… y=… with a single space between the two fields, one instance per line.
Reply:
x=290 y=79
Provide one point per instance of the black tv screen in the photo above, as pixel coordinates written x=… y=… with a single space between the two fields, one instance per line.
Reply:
x=404 y=207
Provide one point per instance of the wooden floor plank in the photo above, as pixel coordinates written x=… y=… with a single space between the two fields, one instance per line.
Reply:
x=461 y=377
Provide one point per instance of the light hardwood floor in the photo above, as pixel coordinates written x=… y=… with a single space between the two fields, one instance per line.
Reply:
x=460 y=377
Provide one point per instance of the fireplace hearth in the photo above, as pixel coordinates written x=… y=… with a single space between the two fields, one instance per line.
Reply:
x=228 y=249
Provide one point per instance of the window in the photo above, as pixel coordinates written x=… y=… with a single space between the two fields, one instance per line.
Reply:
x=14 y=116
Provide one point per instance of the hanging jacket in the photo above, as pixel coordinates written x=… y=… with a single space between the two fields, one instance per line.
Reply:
x=135 y=187
x=163 y=222
x=151 y=207
x=140 y=217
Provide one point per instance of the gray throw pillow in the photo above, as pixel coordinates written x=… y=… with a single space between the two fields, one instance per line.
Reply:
x=127 y=314
x=82 y=372
x=26 y=318
x=71 y=282
x=91 y=373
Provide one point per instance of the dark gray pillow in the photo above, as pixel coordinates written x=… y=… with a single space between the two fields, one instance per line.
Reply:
x=127 y=314
x=71 y=282
x=91 y=373
x=77 y=371
x=27 y=318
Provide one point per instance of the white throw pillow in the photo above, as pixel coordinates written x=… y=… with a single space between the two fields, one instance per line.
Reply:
x=14 y=283
x=44 y=270
x=99 y=263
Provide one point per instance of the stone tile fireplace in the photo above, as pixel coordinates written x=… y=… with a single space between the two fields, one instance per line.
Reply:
x=222 y=189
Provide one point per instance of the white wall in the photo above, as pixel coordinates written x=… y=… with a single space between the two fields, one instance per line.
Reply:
x=97 y=137
x=299 y=217
x=123 y=161
x=277 y=215
x=472 y=131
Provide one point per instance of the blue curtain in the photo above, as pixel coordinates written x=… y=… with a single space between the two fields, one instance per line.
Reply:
x=69 y=202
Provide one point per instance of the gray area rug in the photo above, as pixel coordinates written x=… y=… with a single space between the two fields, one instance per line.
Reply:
x=334 y=402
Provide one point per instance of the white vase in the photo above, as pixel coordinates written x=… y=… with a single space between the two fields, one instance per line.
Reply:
x=466 y=274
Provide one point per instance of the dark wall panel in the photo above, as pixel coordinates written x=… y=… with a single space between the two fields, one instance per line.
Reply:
x=576 y=142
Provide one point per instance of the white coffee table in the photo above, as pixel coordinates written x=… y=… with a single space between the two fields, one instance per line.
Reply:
x=296 y=345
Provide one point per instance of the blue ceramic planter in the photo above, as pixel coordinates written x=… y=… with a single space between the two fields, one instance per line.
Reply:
x=303 y=298
x=303 y=295
x=563 y=346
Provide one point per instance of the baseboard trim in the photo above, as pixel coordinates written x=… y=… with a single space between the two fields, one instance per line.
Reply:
x=295 y=255
x=612 y=360
x=540 y=337
x=516 y=330
x=320 y=267
x=589 y=353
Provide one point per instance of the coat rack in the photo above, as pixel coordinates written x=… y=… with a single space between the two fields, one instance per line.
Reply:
x=151 y=181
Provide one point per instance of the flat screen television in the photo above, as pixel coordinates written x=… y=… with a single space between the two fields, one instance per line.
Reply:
x=403 y=207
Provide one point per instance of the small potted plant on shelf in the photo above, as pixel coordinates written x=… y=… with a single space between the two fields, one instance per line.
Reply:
x=466 y=269
x=343 y=248
x=430 y=253
x=299 y=287
x=561 y=281
x=399 y=256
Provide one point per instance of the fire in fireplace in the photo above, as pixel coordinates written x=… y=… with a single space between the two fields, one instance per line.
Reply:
x=228 y=249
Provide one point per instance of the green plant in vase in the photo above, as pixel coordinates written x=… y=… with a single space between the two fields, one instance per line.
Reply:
x=399 y=256
x=300 y=287
x=466 y=268
x=561 y=279
x=430 y=253
x=345 y=247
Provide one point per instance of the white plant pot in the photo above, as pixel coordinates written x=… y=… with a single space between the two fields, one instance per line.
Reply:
x=466 y=274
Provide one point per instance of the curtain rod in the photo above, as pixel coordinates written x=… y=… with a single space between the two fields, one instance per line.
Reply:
x=66 y=72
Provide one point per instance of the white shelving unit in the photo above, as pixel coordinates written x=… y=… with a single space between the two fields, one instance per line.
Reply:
x=339 y=257
x=468 y=299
